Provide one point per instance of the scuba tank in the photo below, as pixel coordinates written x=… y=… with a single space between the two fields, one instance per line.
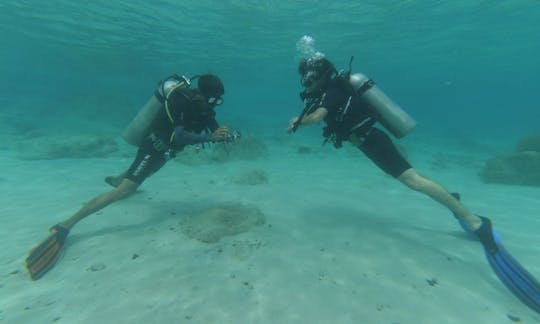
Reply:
x=139 y=127
x=390 y=115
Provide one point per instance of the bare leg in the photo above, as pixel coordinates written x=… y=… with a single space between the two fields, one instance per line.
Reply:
x=413 y=180
x=124 y=189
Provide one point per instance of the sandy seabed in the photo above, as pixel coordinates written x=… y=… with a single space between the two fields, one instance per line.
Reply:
x=334 y=240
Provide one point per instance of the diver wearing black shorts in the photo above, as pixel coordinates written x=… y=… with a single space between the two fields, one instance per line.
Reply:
x=189 y=120
x=350 y=105
x=185 y=116
x=348 y=118
x=350 y=110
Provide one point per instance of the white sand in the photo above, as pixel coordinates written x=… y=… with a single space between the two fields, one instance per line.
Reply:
x=343 y=243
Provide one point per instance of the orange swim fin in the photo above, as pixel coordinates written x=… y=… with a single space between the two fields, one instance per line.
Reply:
x=45 y=255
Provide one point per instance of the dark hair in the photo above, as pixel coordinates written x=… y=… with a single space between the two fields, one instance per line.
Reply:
x=210 y=86
x=322 y=65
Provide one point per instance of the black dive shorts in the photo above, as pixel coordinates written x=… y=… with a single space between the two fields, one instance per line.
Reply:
x=378 y=147
x=147 y=161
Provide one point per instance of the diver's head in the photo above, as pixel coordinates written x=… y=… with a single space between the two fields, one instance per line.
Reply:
x=315 y=73
x=211 y=88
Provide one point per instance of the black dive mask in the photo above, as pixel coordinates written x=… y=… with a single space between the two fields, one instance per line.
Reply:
x=215 y=101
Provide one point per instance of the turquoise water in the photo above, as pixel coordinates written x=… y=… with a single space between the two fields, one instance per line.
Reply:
x=468 y=70
x=462 y=65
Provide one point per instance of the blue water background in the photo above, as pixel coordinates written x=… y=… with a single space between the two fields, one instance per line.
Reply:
x=459 y=67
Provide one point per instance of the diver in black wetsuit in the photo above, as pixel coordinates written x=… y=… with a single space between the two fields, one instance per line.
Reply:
x=188 y=119
x=350 y=107
x=192 y=121
x=328 y=96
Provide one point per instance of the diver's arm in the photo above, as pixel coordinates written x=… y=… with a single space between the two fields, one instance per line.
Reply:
x=315 y=117
x=312 y=118
x=182 y=137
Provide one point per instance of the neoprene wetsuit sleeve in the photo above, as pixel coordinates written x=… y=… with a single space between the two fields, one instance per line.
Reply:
x=183 y=137
x=213 y=125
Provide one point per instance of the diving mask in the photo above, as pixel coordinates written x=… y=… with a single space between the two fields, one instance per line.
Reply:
x=215 y=101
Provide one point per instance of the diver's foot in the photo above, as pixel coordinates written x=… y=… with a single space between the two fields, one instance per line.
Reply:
x=114 y=181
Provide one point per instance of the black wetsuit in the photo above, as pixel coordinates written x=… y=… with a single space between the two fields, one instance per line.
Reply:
x=190 y=114
x=351 y=119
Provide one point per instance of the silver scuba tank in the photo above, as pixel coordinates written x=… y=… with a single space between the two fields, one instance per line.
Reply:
x=390 y=115
x=139 y=127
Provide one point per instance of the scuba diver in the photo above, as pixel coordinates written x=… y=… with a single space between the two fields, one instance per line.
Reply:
x=175 y=116
x=351 y=105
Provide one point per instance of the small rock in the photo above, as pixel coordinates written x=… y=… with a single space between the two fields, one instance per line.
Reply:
x=96 y=267
x=513 y=318
x=251 y=177
x=432 y=282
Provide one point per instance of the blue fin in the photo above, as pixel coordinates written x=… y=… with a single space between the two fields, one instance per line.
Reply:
x=512 y=274
x=520 y=282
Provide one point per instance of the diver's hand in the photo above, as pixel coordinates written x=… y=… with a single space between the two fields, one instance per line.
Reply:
x=292 y=124
x=220 y=135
